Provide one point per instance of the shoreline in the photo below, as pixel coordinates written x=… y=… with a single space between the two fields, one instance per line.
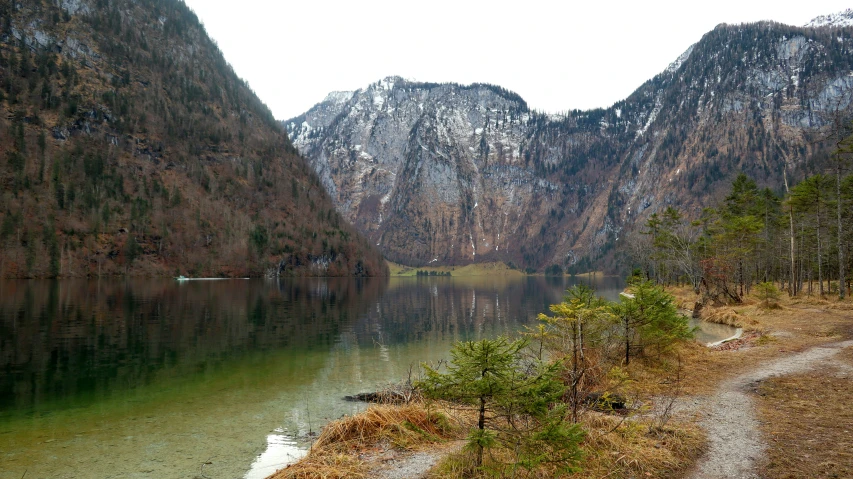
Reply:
x=772 y=337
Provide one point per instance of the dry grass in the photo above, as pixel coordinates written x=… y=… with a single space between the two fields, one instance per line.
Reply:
x=324 y=465
x=637 y=447
x=808 y=423
x=728 y=316
x=344 y=447
x=613 y=447
x=403 y=426
x=798 y=324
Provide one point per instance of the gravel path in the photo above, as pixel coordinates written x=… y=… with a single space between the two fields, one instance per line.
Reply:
x=728 y=416
x=735 y=443
x=412 y=466
x=402 y=465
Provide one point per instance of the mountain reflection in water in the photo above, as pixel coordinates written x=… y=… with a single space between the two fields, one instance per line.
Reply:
x=151 y=378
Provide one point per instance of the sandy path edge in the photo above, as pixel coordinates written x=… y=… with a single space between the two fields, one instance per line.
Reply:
x=734 y=438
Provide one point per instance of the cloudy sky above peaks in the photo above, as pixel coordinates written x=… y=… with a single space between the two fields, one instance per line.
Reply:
x=557 y=55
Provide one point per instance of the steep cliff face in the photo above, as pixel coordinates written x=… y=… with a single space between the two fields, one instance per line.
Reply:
x=452 y=174
x=431 y=173
x=128 y=145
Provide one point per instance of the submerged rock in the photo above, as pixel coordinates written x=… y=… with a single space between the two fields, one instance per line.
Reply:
x=381 y=397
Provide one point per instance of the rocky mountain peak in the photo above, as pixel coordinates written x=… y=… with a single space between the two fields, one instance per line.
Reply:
x=833 y=20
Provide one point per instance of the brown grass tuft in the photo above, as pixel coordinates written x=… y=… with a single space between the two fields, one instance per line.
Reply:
x=637 y=448
x=726 y=315
x=613 y=447
x=345 y=446
x=403 y=426
x=325 y=465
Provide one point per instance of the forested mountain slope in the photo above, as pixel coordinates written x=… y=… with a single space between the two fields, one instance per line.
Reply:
x=129 y=145
x=451 y=174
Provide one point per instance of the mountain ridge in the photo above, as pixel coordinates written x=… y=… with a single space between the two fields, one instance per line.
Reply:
x=130 y=146
x=838 y=20
x=410 y=165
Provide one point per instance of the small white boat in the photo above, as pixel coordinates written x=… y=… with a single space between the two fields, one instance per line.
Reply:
x=184 y=278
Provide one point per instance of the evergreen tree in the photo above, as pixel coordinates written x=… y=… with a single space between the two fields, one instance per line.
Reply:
x=517 y=404
x=649 y=318
x=577 y=326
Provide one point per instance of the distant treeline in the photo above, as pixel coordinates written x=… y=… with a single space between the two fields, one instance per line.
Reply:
x=433 y=273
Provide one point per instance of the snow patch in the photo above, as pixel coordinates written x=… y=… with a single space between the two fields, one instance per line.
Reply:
x=680 y=60
x=652 y=116
x=338 y=97
x=833 y=20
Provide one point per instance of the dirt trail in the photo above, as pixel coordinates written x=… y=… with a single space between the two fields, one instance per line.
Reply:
x=735 y=442
x=411 y=465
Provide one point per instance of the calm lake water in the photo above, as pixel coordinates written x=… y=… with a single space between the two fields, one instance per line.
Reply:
x=153 y=378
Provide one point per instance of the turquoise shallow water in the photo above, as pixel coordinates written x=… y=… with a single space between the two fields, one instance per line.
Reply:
x=155 y=378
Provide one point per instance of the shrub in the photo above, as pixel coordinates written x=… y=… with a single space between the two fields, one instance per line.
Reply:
x=768 y=294
x=518 y=405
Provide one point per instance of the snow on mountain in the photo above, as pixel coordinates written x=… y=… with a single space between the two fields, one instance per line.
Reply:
x=837 y=20
x=680 y=60
x=339 y=97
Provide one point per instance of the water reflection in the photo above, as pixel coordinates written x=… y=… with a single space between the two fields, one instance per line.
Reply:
x=281 y=450
x=155 y=378
x=82 y=340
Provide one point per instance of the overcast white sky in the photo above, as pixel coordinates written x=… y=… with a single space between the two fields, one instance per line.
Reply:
x=558 y=55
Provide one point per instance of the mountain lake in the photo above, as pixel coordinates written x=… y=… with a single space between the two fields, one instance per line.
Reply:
x=158 y=378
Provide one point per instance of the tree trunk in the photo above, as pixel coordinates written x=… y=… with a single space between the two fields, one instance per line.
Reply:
x=575 y=373
x=793 y=286
x=481 y=424
x=842 y=287
x=819 y=253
